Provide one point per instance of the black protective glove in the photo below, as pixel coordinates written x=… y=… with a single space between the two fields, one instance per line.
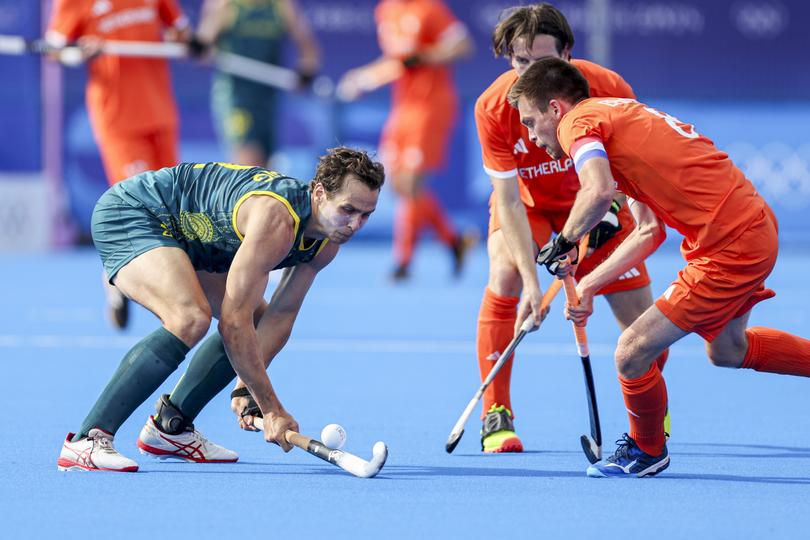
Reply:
x=554 y=251
x=607 y=228
x=412 y=61
x=305 y=79
x=252 y=409
x=197 y=48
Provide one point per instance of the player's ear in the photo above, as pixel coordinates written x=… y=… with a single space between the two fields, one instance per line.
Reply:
x=318 y=191
x=555 y=107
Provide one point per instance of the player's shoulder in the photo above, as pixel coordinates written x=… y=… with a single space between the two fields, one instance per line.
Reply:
x=494 y=98
x=63 y=8
x=603 y=81
x=585 y=111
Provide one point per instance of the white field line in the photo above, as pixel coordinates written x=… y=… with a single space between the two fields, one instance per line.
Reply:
x=371 y=346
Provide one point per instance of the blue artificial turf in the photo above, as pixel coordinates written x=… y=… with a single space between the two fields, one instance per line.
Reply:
x=397 y=363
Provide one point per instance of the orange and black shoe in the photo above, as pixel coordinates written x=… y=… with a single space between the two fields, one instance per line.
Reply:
x=498 y=432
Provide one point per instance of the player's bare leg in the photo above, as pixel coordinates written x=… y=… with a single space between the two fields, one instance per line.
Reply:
x=418 y=207
x=627 y=306
x=163 y=281
x=760 y=349
x=117 y=304
x=170 y=433
x=643 y=451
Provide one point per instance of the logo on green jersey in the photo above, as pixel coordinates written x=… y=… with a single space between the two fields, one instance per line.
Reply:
x=196 y=226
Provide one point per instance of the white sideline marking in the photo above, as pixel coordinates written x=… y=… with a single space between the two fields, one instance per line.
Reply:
x=433 y=347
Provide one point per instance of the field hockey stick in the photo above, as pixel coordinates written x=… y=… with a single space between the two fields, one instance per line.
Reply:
x=230 y=63
x=348 y=462
x=16 y=45
x=458 y=429
x=592 y=446
x=270 y=74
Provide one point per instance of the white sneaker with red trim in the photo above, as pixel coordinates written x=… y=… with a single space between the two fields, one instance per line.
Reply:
x=93 y=453
x=188 y=446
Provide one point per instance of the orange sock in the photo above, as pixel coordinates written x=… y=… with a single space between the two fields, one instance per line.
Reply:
x=406 y=230
x=496 y=322
x=661 y=361
x=646 y=402
x=775 y=351
x=432 y=213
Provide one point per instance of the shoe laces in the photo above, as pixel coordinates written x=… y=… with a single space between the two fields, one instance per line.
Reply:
x=623 y=448
x=106 y=445
x=200 y=438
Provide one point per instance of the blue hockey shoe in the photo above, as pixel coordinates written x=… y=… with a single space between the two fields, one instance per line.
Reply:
x=629 y=459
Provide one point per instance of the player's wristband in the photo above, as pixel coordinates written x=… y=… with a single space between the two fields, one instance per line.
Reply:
x=252 y=408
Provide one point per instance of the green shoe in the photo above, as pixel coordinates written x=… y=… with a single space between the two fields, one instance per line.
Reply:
x=498 y=432
x=667 y=425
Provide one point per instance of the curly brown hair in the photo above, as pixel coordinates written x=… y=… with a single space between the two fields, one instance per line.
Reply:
x=529 y=22
x=338 y=162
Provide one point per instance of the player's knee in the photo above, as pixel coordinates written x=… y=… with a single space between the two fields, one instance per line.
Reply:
x=632 y=357
x=190 y=324
x=727 y=356
x=504 y=279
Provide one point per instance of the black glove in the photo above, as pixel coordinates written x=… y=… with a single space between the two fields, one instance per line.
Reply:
x=607 y=228
x=252 y=408
x=305 y=79
x=554 y=251
x=412 y=61
x=197 y=48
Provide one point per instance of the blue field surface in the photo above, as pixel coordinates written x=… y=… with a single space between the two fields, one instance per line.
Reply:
x=397 y=363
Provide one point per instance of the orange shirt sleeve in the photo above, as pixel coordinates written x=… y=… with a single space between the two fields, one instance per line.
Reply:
x=171 y=14
x=579 y=124
x=67 y=22
x=437 y=18
x=496 y=152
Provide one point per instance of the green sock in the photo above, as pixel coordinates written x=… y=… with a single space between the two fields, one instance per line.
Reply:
x=208 y=373
x=141 y=372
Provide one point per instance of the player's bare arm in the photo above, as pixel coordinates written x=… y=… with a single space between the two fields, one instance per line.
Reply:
x=593 y=200
x=309 y=54
x=276 y=323
x=268 y=230
x=216 y=16
x=518 y=235
x=454 y=45
x=649 y=233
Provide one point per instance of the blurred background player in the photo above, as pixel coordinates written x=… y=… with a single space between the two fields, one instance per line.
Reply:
x=129 y=100
x=532 y=196
x=419 y=40
x=677 y=177
x=245 y=111
x=198 y=241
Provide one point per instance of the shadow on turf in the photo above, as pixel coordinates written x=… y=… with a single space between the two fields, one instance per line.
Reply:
x=762 y=450
x=414 y=472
